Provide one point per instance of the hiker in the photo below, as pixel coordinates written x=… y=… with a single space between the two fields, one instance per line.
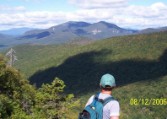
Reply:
x=110 y=108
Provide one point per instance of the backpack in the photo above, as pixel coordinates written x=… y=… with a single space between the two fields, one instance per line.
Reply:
x=95 y=109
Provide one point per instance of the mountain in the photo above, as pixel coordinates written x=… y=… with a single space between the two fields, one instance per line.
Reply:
x=9 y=38
x=71 y=31
x=5 y=40
x=74 y=30
x=103 y=30
x=16 y=31
x=2 y=35
x=152 y=30
x=1 y=38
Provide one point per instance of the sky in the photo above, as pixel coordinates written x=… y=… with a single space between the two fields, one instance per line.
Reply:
x=133 y=14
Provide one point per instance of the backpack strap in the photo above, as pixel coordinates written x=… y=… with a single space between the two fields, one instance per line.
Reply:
x=96 y=98
x=105 y=101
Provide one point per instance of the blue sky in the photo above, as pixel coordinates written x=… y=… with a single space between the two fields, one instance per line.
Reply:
x=136 y=14
x=146 y=2
x=42 y=5
x=62 y=5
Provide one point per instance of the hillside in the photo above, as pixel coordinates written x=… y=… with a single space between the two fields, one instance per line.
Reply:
x=139 y=64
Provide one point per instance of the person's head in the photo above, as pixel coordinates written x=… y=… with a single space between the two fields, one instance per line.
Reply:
x=107 y=82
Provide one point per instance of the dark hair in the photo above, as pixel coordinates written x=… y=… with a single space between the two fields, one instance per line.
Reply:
x=107 y=88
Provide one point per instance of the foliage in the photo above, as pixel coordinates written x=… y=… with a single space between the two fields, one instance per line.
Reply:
x=6 y=106
x=20 y=100
x=51 y=101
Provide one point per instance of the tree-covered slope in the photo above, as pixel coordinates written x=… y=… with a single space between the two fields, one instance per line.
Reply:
x=139 y=64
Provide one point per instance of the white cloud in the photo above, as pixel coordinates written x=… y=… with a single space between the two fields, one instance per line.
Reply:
x=150 y=16
x=155 y=10
x=6 y=8
x=95 y=4
x=131 y=16
x=38 y=19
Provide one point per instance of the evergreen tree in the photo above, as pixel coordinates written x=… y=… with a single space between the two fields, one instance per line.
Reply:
x=20 y=100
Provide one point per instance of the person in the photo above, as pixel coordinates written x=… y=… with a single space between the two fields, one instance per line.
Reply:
x=112 y=109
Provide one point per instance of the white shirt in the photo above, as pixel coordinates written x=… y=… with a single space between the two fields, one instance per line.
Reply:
x=112 y=108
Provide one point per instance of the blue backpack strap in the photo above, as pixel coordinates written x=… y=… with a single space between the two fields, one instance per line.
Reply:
x=96 y=98
x=105 y=101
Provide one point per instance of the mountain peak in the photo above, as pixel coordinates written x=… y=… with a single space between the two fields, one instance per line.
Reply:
x=110 y=25
x=103 y=22
x=77 y=24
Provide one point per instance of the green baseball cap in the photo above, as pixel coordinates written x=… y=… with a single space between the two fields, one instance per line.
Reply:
x=107 y=80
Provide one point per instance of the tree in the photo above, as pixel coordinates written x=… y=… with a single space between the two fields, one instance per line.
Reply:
x=52 y=101
x=15 y=91
x=19 y=99
x=12 y=58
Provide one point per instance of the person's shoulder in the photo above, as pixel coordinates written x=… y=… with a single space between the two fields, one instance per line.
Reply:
x=90 y=100
x=114 y=102
x=92 y=96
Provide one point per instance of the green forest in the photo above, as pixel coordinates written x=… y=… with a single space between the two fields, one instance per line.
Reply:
x=21 y=100
x=55 y=81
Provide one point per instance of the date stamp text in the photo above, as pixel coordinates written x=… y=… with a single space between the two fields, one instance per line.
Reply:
x=148 y=101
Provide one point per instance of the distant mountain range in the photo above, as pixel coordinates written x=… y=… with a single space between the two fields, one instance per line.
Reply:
x=5 y=40
x=152 y=30
x=16 y=31
x=73 y=30
x=67 y=32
